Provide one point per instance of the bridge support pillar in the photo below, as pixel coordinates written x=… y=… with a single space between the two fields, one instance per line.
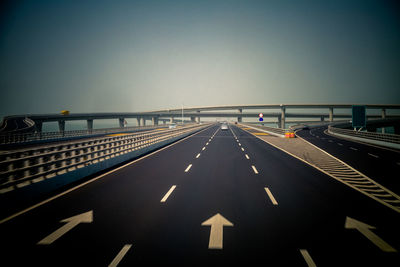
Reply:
x=143 y=121
x=61 y=125
x=383 y=117
x=89 y=126
x=283 y=124
x=121 y=122
x=154 y=121
x=138 y=122
x=322 y=118
x=198 y=118
x=239 y=119
x=38 y=126
x=193 y=119
x=171 y=120
x=330 y=114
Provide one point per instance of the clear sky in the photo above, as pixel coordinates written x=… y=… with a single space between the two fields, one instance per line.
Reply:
x=93 y=56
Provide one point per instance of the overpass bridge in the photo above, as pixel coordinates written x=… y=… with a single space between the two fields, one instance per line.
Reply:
x=199 y=195
x=280 y=112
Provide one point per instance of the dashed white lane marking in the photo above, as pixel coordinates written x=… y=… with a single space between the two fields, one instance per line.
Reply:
x=372 y=155
x=247 y=156
x=242 y=149
x=168 y=193
x=207 y=144
x=237 y=140
x=120 y=255
x=203 y=148
x=198 y=155
x=188 y=168
x=240 y=144
x=340 y=144
x=330 y=141
x=254 y=169
x=353 y=148
x=273 y=200
x=307 y=258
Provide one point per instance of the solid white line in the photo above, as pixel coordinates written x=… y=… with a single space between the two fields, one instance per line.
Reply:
x=120 y=255
x=247 y=156
x=254 y=169
x=372 y=155
x=204 y=148
x=352 y=148
x=168 y=193
x=188 y=168
x=198 y=155
x=94 y=179
x=307 y=258
x=273 y=200
x=242 y=149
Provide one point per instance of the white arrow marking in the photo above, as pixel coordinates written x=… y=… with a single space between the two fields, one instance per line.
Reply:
x=217 y=223
x=73 y=221
x=365 y=230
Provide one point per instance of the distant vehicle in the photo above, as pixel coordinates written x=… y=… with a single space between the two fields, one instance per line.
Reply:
x=64 y=112
x=224 y=127
x=172 y=126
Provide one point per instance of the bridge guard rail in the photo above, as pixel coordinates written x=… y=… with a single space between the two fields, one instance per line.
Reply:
x=380 y=139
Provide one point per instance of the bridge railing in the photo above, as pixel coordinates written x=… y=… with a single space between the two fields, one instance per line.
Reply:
x=24 y=167
x=11 y=138
x=382 y=139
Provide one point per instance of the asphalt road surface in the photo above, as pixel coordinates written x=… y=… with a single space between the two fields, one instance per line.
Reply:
x=217 y=198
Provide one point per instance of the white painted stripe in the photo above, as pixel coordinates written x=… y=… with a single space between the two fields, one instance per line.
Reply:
x=352 y=148
x=204 y=148
x=330 y=141
x=120 y=255
x=240 y=144
x=273 y=200
x=340 y=144
x=207 y=144
x=168 y=193
x=198 y=155
x=247 y=156
x=188 y=168
x=242 y=149
x=372 y=155
x=254 y=169
x=307 y=258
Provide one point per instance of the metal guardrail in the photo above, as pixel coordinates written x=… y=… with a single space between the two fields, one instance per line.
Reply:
x=12 y=138
x=23 y=167
x=388 y=140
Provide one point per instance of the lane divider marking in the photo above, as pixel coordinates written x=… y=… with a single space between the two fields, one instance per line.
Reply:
x=307 y=258
x=273 y=200
x=168 y=193
x=203 y=148
x=254 y=169
x=198 y=155
x=242 y=149
x=372 y=155
x=352 y=148
x=120 y=255
x=340 y=144
x=188 y=168
x=247 y=156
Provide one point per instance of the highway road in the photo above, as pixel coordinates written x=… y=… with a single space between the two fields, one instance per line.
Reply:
x=216 y=198
x=380 y=164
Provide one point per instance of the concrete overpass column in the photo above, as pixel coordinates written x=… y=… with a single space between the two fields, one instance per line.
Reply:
x=322 y=118
x=121 y=122
x=143 y=121
x=61 y=125
x=171 y=120
x=193 y=119
x=198 y=118
x=283 y=124
x=330 y=114
x=39 y=126
x=154 y=121
x=239 y=119
x=383 y=117
x=138 y=122
x=90 y=126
